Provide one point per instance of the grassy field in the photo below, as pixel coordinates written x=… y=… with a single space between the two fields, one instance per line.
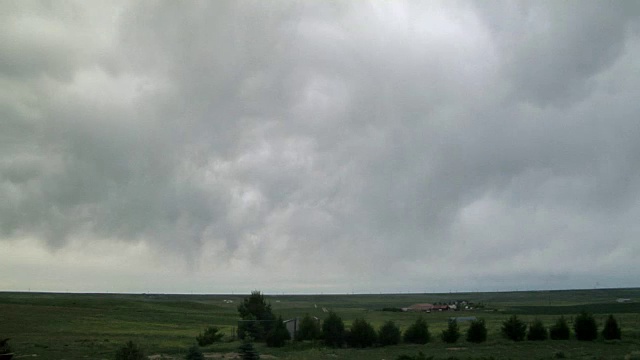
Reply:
x=93 y=326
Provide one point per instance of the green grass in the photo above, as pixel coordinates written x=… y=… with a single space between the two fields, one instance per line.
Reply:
x=93 y=326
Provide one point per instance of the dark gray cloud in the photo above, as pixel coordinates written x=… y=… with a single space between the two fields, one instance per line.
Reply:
x=335 y=146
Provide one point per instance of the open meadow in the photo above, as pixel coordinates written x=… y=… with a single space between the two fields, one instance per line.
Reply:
x=94 y=326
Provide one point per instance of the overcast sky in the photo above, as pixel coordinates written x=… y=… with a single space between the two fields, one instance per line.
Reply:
x=319 y=146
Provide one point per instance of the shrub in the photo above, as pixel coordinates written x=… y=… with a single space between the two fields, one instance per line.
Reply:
x=537 y=331
x=130 y=351
x=278 y=335
x=418 y=332
x=4 y=346
x=389 y=334
x=247 y=351
x=209 y=336
x=333 y=330
x=585 y=327
x=477 y=331
x=514 y=329
x=309 y=329
x=560 y=330
x=194 y=353
x=611 y=329
x=452 y=333
x=362 y=334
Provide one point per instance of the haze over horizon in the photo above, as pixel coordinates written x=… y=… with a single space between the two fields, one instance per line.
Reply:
x=319 y=147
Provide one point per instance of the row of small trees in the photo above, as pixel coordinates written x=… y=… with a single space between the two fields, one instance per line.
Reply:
x=584 y=327
x=362 y=334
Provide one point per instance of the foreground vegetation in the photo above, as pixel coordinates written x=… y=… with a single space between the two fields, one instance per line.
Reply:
x=96 y=326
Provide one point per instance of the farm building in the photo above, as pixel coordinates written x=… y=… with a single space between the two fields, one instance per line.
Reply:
x=419 y=308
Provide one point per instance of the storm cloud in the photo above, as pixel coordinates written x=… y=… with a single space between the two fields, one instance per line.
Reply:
x=310 y=146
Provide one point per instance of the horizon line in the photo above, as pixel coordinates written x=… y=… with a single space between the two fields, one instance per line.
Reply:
x=234 y=293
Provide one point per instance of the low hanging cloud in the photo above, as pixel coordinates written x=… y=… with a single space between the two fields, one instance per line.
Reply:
x=370 y=146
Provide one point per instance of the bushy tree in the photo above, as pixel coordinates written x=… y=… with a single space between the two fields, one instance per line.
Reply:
x=362 y=334
x=256 y=305
x=537 y=331
x=194 y=353
x=130 y=351
x=210 y=335
x=514 y=328
x=257 y=315
x=247 y=351
x=278 y=335
x=560 y=330
x=477 y=331
x=389 y=334
x=309 y=329
x=333 y=330
x=611 y=329
x=418 y=332
x=585 y=327
x=452 y=333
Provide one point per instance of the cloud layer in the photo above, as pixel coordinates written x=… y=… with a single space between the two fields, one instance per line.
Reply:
x=319 y=147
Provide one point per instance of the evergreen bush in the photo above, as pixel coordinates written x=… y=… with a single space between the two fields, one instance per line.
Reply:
x=611 y=329
x=130 y=351
x=585 y=327
x=537 y=331
x=418 y=332
x=389 y=334
x=4 y=346
x=247 y=351
x=210 y=336
x=194 y=353
x=333 y=330
x=477 y=331
x=278 y=335
x=514 y=329
x=452 y=333
x=362 y=334
x=309 y=329
x=560 y=330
